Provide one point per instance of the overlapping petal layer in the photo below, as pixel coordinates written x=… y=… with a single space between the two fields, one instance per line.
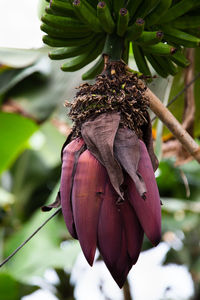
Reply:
x=148 y=210
x=91 y=206
x=87 y=195
x=68 y=168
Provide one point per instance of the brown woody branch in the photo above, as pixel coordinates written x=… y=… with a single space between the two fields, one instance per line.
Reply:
x=189 y=101
x=173 y=125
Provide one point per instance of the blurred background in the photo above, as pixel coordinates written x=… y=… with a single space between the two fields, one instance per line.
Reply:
x=33 y=127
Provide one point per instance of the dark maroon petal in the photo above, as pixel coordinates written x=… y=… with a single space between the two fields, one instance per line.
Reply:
x=88 y=188
x=110 y=227
x=133 y=231
x=148 y=211
x=68 y=160
x=119 y=270
x=127 y=153
x=99 y=135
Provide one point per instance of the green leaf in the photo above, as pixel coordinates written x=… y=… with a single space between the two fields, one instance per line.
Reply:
x=44 y=250
x=42 y=98
x=10 y=77
x=20 y=58
x=11 y=289
x=37 y=170
x=14 y=134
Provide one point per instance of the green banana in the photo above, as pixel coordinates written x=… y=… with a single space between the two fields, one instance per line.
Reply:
x=180 y=59
x=93 y=3
x=55 y=42
x=122 y=22
x=186 y=22
x=94 y=70
x=88 y=14
x=105 y=17
x=64 y=1
x=140 y=60
x=150 y=38
x=62 y=33
x=64 y=23
x=158 y=12
x=116 y=5
x=50 y=11
x=132 y=6
x=167 y=64
x=160 y=49
x=61 y=7
x=179 y=9
x=134 y=31
x=84 y=59
x=108 y=3
x=50 y=1
x=146 y=7
x=180 y=37
x=157 y=67
x=62 y=53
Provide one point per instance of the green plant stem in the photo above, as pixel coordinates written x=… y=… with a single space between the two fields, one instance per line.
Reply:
x=113 y=47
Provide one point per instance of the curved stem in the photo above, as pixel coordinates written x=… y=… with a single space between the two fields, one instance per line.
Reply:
x=173 y=125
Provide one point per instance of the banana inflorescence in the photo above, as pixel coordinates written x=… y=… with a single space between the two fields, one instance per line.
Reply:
x=158 y=31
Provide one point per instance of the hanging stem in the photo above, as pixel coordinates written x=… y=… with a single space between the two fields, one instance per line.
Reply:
x=173 y=125
x=126 y=291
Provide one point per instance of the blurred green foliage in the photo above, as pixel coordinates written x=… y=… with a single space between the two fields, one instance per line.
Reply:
x=32 y=94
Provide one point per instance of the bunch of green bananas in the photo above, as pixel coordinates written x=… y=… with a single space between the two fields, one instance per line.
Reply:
x=158 y=31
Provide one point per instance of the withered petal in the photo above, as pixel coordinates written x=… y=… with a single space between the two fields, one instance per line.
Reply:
x=133 y=231
x=148 y=211
x=99 y=135
x=68 y=162
x=88 y=189
x=127 y=153
x=110 y=226
x=55 y=204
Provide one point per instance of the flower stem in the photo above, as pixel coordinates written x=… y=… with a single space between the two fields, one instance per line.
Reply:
x=126 y=291
x=173 y=125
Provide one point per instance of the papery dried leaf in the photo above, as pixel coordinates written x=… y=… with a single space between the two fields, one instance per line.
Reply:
x=87 y=194
x=70 y=156
x=99 y=135
x=55 y=204
x=127 y=152
x=148 y=140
